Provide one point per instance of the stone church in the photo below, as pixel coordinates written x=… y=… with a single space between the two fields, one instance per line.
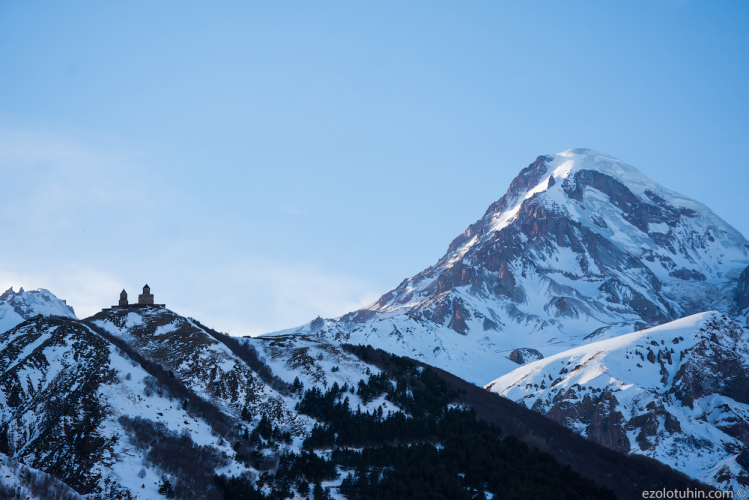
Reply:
x=145 y=299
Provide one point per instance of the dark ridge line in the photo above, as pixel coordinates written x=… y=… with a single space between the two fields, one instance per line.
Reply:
x=247 y=353
x=627 y=475
x=217 y=419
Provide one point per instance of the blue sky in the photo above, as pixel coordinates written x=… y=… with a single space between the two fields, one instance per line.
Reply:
x=259 y=164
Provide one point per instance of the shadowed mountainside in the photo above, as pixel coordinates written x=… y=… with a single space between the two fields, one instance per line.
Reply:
x=627 y=475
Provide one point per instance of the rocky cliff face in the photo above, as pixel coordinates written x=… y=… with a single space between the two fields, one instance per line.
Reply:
x=581 y=247
x=678 y=393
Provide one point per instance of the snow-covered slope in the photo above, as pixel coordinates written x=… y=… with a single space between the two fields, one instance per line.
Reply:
x=678 y=393
x=116 y=404
x=16 y=307
x=80 y=400
x=316 y=361
x=582 y=247
x=201 y=362
x=18 y=481
x=63 y=393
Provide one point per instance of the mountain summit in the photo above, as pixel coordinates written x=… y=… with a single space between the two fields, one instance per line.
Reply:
x=16 y=307
x=582 y=246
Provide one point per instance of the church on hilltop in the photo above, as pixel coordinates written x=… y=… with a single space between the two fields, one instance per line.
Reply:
x=145 y=299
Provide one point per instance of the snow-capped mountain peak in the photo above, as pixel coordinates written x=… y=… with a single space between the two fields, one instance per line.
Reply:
x=16 y=307
x=561 y=180
x=582 y=246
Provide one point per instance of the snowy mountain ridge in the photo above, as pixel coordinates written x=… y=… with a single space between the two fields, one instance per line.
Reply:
x=678 y=393
x=16 y=307
x=581 y=247
x=132 y=403
x=75 y=405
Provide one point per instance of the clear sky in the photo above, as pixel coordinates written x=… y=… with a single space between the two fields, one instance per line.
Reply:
x=262 y=163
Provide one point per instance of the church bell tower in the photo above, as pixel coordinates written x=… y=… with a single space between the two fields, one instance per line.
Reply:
x=146 y=298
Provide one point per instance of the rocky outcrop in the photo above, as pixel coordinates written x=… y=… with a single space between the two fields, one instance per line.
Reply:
x=460 y=317
x=525 y=355
x=742 y=291
x=607 y=425
x=525 y=180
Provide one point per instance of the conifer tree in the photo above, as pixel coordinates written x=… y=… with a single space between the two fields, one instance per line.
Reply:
x=166 y=489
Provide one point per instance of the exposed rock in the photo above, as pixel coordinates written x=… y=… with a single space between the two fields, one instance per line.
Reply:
x=688 y=274
x=606 y=425
x=460 y=317
x=525 y=355
x=743 y=459
x=672 y=424
x=742 y=291
x=490 y=325
x=619 y=195
x=526 y=179
x=318 y=323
